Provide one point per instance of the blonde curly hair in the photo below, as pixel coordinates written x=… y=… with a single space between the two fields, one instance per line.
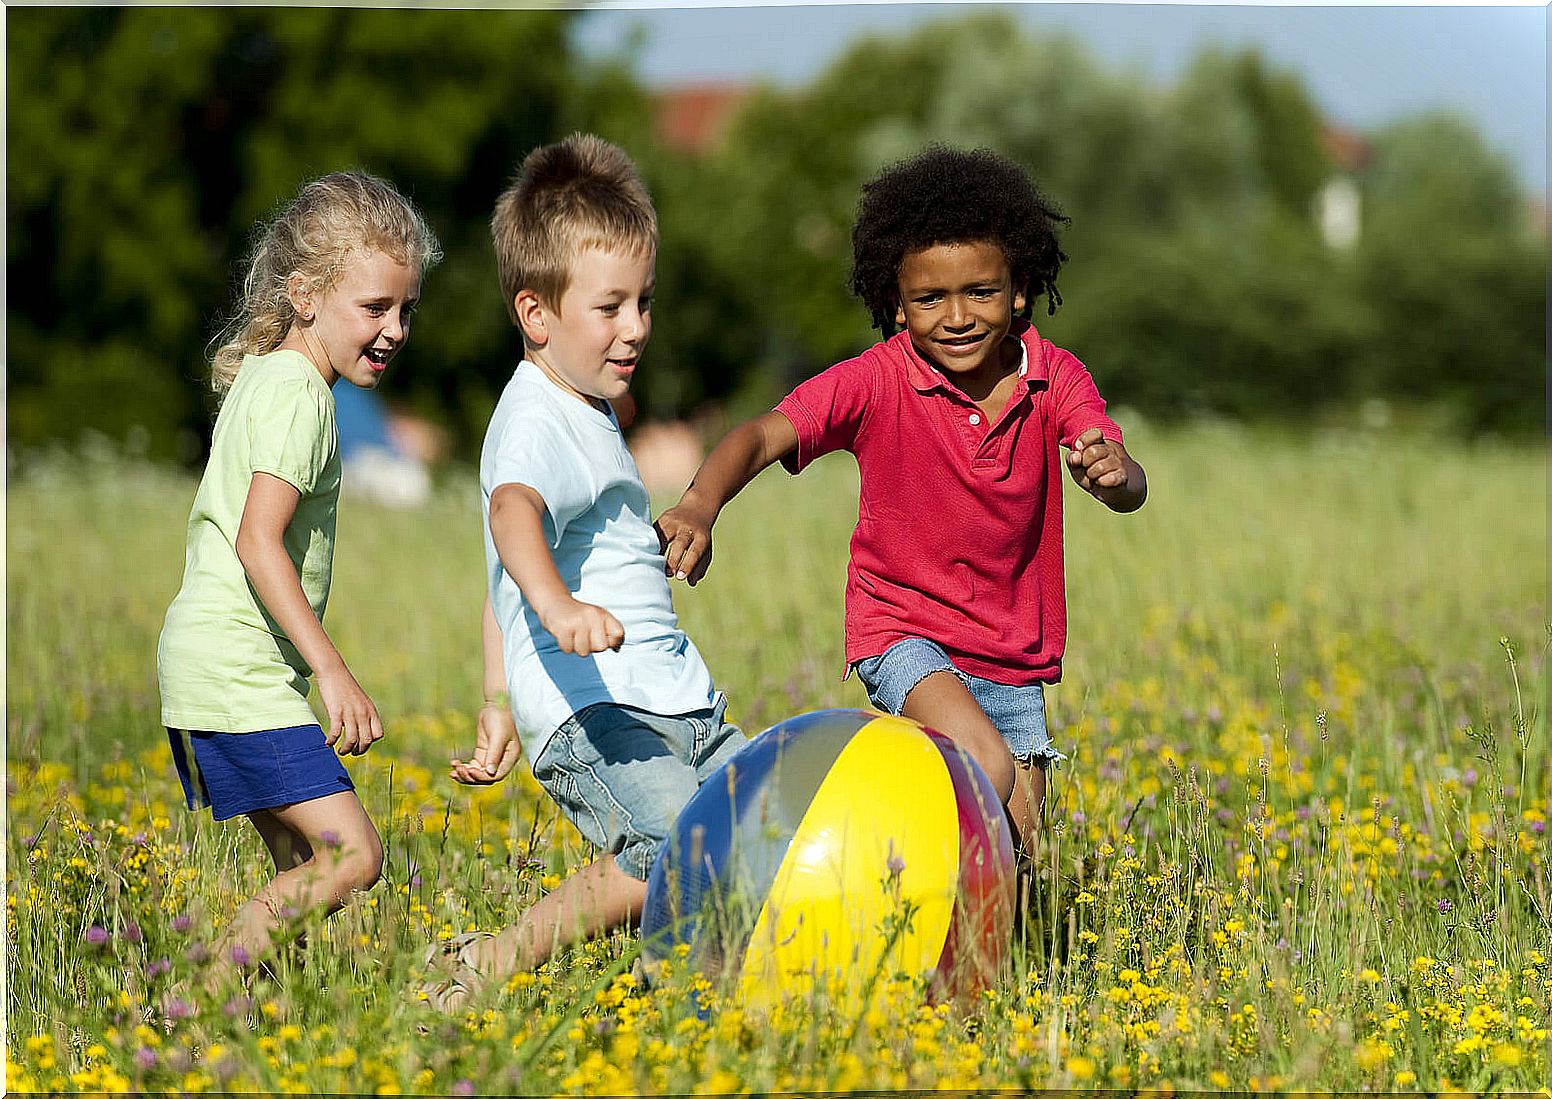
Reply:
x=333 y=218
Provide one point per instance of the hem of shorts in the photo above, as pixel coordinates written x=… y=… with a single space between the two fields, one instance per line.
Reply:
x=311 y=793
x=1043 y=758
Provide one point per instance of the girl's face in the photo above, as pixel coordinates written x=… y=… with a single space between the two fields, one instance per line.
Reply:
x=957 y=301
x=354 y=329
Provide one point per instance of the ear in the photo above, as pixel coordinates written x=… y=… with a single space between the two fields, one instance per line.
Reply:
x=530 y=317
x=1020 y=296
x=899 y=313
x=300 y=294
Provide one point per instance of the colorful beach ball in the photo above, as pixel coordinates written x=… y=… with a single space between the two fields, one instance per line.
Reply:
x=839 y=849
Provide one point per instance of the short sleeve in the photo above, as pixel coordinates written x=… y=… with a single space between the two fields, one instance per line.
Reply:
x=828 y=410
x=532 y=451
x=1075 y=400
x=291 y=432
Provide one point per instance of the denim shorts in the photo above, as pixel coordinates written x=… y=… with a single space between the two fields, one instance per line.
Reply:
x=622 y=775
x=1018 y=712
x=236 y=773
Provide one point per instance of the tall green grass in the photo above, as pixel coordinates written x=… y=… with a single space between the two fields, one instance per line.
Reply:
x=1300 y=841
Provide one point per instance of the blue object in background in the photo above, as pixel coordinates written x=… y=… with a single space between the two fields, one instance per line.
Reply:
x=375 y=464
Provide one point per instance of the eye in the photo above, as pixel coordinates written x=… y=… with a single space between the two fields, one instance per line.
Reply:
x=645 y=303
x=376 y=308
x=609 y=310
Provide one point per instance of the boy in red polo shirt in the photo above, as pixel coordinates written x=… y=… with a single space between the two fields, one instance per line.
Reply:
x=955 y=606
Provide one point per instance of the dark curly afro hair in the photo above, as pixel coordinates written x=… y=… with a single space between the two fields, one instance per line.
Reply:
x=944 y=195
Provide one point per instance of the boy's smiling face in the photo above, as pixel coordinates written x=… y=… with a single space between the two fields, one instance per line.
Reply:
x=957 y=301
x=590 y=343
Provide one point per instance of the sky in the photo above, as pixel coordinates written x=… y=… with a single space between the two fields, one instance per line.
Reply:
x=1363 y=66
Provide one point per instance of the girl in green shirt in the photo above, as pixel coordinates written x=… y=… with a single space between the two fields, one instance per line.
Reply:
x=329 y=293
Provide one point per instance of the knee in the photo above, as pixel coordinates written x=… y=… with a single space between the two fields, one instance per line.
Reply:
x=359 y=865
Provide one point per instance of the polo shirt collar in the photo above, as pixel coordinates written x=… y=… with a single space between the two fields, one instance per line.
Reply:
x=924 y=377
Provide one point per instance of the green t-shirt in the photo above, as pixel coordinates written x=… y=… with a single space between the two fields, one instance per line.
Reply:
x=222 y=662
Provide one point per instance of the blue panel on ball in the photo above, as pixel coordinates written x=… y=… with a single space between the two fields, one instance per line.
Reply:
x=714 y=869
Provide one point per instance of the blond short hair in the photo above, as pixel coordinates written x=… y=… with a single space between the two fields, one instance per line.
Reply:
x=576 y=194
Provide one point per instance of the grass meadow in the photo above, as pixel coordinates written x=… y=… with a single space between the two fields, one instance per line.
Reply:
x=1300 y=843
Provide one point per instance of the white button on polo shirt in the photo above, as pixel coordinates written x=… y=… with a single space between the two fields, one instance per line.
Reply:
x=975 y=418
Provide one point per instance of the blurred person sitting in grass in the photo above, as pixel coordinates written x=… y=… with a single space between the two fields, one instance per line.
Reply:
x=586 y=669
x=955 y=602
x=329 y=293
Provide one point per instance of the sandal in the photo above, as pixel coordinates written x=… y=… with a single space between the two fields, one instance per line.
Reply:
x=452 y=981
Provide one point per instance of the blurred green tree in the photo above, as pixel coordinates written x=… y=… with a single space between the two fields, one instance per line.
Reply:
x=1456 y=277
x=145 y=145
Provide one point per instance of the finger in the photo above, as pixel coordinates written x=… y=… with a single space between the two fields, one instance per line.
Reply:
x=698 y=571
x=1088 y=438
x=615 y=632
x=662 y=539
x=681 y=554
x=334 y=729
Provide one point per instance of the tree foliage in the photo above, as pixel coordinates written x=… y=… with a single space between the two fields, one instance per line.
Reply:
x=145 y=144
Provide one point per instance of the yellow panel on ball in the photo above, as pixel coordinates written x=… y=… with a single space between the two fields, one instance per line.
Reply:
x=881 y=834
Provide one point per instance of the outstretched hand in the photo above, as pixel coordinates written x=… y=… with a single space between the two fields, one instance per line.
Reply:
x=1097 y=462
x=684 y=536
x=496 y=748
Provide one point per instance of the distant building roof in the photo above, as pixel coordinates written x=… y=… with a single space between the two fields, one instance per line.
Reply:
x=693 y=117
x=1348 y=150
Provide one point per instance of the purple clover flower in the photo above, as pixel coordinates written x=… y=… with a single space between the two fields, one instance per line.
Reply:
x=463 y=1087
x=178 y=1009
x=145 y=1058
x=182 y=923
x=96 y=935
x=1445 y=904
x=132 y=932
x=240 y=956
x=330 y=837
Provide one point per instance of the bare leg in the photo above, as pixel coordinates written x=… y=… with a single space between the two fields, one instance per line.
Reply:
x=324 y=850
x=595 y=900
x=286 y=849
x=1026 y=805
x=941 y=702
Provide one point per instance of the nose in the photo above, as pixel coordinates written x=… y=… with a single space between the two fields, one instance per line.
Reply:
x=394 y=325
x=634 y=325
x=957 y=316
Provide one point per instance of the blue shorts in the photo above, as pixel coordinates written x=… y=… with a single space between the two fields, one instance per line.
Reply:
x=622 y=775
x=1018 y=712
x=236 y=773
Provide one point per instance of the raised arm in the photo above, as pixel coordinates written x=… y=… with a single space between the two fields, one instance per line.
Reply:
x=268 y=510
x=517 y=528
x=685 y=528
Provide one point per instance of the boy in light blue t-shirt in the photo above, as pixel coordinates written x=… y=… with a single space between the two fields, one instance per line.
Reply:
x=612 y=703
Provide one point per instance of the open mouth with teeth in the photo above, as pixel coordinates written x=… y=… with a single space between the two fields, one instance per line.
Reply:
x=379 y=356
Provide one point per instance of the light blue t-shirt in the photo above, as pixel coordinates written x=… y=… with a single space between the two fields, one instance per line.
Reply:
x=599 y=528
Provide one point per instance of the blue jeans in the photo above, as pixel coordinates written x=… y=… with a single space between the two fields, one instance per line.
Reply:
x=622 y=775
x=1018 y=712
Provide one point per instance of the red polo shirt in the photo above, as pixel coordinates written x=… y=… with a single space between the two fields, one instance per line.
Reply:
x=959 y=526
